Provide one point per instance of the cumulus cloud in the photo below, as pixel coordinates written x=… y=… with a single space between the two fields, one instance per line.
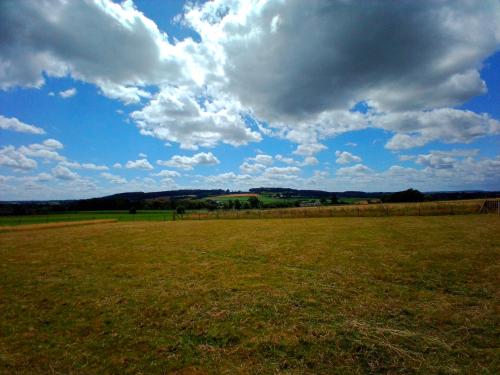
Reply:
x=251 y=168
x=355 y=170
x=113 y=178
x=48 y=37
x=22 y=158
x=14 y=124
x=67 y=93
x=444 y=159
x=309 y=160
x=89 y=166
x=284 y=159
x=414 y=129
x=251 y=72
x=177 y=114
x=189 y=162
x=345 y=157
x=262 y=159
x=138 y=164
x=13 y=158
x=64 y=173
x=282 y=171
x=256 y=164
x=167 y=174
x=309 y=149
x=437 y=48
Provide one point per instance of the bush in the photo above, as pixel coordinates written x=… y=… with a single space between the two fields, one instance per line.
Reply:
x=180 y=210
x=410 y=195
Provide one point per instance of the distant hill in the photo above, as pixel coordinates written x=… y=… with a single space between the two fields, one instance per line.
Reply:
x=137 y=196
x=193 y=199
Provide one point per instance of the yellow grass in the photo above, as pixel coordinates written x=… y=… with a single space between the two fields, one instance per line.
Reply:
x=461 y=207
x=397 y=295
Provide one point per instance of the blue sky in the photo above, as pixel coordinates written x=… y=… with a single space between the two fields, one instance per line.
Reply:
x=105 y=97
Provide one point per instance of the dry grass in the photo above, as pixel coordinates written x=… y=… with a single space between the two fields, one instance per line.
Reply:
x=305 y=296
x=462 y=207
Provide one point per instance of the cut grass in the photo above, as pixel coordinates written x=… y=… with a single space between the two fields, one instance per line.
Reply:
x=86 y=215
x=315 y=296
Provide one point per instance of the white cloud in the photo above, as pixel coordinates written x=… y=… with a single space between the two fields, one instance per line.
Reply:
x=262 y=159
x=67 y=93
x=280 y=171
x=189 y=162
x=138 y=164
x=438 y=48
x=309 y=149
x=414 y=129
x=355 y=170
x=117 y=166
x=177 y=114
x=94 y=167
x=167 y=174
x=14 y=124
x=251 y=168
x=284 y=159
x=114 y=179
x=50 y=38
x=12 y=158
x=345 y=157
x=21 y=158
x=127 y=94
x=64 y=173
x=256 y=164
x=444 y=159
x=89 y=166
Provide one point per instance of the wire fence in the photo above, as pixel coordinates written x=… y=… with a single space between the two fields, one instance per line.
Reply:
x=368 y=210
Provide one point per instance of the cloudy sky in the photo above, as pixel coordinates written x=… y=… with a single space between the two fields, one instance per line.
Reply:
x=99 y=97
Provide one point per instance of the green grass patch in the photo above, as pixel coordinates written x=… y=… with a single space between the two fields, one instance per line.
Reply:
x=144 y=215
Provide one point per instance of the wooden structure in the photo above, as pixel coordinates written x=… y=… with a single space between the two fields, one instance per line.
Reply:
x=490 y=206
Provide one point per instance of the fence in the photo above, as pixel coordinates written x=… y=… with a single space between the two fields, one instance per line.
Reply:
x=490 y=206
x=368 y=210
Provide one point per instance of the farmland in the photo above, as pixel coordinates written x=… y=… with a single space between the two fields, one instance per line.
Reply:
x=145 y=215
x=309 y=295
x=471 y=206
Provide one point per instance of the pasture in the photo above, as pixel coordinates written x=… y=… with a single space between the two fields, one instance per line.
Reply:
x=141 y=215
x=305 y=296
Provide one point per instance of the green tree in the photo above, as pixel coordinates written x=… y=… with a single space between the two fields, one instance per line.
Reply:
x=254 y=202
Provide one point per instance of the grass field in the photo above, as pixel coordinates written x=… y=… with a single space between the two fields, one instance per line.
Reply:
x=86 y=215
x=461 y=207
x=265 y=198
x=305 y=296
